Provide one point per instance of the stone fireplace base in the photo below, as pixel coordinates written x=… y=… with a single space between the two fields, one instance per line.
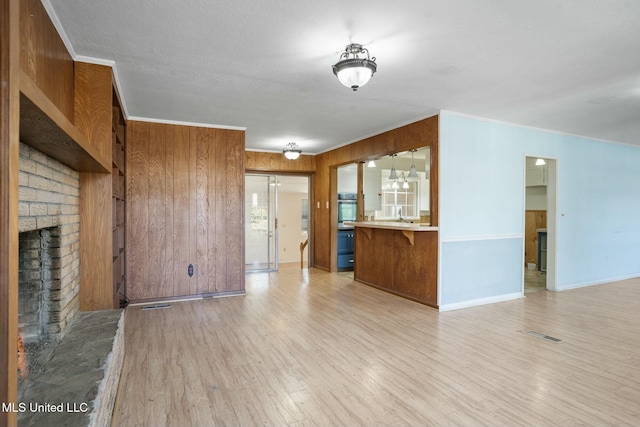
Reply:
x=78 y=374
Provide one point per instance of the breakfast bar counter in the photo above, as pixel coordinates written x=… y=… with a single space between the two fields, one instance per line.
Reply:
x=398 y=257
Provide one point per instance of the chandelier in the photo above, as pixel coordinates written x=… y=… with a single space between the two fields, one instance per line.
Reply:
x=354 y=69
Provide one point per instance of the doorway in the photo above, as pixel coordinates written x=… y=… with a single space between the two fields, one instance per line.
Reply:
x=539 y=224
x=276 y=222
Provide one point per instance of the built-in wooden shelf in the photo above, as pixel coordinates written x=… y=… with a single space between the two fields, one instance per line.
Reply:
x=44 y=127
x=119 y=204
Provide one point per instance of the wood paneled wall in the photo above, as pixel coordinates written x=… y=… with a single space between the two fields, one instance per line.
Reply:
x=9 y=155
x=93 y=118
x=419 y=134
x=260 y=161
x=93 y=105
x=44 y=57
x=185 y=192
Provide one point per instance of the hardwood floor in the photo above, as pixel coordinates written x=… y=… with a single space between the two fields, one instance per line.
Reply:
x=534 y=281
x=305 y=347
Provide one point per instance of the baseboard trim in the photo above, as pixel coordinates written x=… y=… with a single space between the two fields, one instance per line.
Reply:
x=481 y=301
x=185 y=298
x=598 y=282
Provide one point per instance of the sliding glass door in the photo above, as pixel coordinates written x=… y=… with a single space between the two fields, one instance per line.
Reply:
x=261 y=223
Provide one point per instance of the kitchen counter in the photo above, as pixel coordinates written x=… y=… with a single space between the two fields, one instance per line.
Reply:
x=398 y=257
x=394 y=225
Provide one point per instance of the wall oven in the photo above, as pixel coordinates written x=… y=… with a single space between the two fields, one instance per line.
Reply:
x=347 y=206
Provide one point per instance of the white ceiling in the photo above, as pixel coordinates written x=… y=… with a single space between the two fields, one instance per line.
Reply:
x=571 y=66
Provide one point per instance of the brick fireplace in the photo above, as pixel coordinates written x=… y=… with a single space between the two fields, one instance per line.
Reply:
x=69 y=357
x=49 y=257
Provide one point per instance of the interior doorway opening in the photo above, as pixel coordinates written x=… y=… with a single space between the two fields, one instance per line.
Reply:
x=539 y=224
x=277 y=222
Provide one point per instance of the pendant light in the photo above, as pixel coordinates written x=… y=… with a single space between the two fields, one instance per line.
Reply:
x=413 y=174
x=393 y=175
x=371 y=164
x=353 y=69
x=405 y=184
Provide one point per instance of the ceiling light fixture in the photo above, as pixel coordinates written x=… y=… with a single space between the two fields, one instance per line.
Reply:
x=540 y=162
x=352 y=70
x=393 y=176
x=413 y=174
x=291 y=151
x=405 y=184
x=371 y=164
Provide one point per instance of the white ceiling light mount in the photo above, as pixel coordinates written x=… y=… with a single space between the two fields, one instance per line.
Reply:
x=354 y=69
x=291 y=151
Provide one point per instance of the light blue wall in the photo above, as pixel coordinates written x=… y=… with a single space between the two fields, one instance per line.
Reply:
x=481 y=197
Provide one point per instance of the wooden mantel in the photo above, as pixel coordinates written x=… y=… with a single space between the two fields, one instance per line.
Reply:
x=45 y=128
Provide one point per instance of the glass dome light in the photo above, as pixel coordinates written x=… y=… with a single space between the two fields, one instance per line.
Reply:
x=352 y=70
x=291 y=151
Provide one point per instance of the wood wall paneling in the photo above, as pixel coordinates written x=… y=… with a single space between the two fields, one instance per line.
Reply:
x=182 y=234
x=94 y=105
x=415 y=269
x=205 y=231
x=157 y=172
x=138 y=209
x=9 y=149
x=44 y=57
x=387 y=260
x=93 y=118
x=167 y=282
x=234 y=213
x=96 y=272
x=370 y=248
x=191 y=198
x=259 y=161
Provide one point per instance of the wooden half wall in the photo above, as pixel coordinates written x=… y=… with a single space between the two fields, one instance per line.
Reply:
x=185 y=206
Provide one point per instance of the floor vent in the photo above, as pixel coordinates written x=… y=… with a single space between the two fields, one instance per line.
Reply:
x=543 y=336
x=154 y=306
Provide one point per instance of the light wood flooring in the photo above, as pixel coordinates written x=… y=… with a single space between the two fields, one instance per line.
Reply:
x=534 y=281
x=309 y=348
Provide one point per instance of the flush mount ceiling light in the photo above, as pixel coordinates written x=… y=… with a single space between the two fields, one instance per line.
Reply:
x=353 y=68
x=291 y=151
